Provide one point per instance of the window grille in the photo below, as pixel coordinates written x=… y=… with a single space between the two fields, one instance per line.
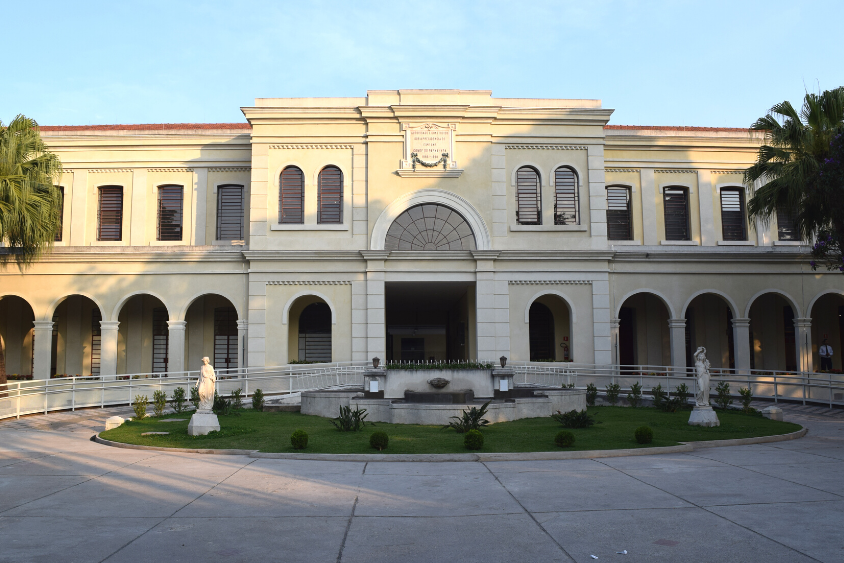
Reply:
x=96 y=340
x=230 y=213
x=170 y=200
x=54 y=349
x=733 y=224
x=330 y=196
x=676 y=202
x=291 y=196
x=61 y=215
x=225 y=337
x=528 y=199
x=619 y=224
x=110 y=213
x=160 y=340
x=786 y=229
x=566 y=200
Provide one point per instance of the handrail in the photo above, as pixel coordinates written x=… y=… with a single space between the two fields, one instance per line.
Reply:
x=19 y=398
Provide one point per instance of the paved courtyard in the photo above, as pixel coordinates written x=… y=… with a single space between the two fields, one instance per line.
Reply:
x=64 y=498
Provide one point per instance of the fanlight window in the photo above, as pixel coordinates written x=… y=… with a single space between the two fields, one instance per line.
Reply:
x=430 y=227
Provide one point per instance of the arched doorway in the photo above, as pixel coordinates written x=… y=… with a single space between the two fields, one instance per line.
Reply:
x=828 y=324
x=17 y=335
x=211 y=330
x=309 y=336
x=773 y=337
x=644 y=337
x=709 y=323
x=76 y=349
x=143 y=343
x=549 y=330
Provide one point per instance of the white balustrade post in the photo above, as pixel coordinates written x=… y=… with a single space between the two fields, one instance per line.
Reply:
x=43 y=344
x=108 y=347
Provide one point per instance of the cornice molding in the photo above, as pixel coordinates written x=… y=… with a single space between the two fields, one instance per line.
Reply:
x=622 y=169
x=330 y=146
x=740 y=172
x=309 y=282
x=170 y=169
x=230 y=169
x=675 y=171
x=550 y=282
x=107 y=170
x=547 y=147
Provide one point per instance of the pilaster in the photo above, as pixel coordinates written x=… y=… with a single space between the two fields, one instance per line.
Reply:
x=708 y=236
x=741 y=341
x=176 y=346
x=601 y=326
x=42 y=346
x=492 y=316
x=677 y=330
x=359 y=322
x=360 y=217
x=498 y=192
x=257 y=319
x=108 y=347
x=78 y=208
x=200 y=193
x=649 y=230
x=376 y=322
x=597 y=195
x=137 y=223
x=803 y=337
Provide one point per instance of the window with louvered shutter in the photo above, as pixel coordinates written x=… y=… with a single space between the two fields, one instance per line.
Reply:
x=786 y=230
x=566 y=201
x=619 y=225
x=733 y=224
x=291 y=196
x=676 y=203
x=528 y=202
x=229 y=212
x=110 y=213
x=160 y=340
x=170 y=202
x=330 y=195
x=61 y=215
x=96 y=340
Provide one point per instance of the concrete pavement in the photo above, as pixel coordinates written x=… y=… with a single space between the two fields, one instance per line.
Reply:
x=65 y=498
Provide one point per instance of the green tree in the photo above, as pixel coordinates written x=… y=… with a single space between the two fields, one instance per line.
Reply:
x=30 y=202
x=789 y=163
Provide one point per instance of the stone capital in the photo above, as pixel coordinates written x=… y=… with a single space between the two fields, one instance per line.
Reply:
x=242 y=324
x=741 y=323
x=109 y=325
x=176 y=325
x=677 y=323
x=43 y=325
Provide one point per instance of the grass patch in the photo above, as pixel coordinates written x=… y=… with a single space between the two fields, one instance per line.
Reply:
x=270 y=432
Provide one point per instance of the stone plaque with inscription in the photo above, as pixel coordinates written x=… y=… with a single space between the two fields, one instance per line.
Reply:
x=429 y=146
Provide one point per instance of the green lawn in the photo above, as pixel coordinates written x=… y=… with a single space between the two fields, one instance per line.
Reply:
x=270 y=432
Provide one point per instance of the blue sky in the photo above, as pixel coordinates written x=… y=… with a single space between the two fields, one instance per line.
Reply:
x=657 y=63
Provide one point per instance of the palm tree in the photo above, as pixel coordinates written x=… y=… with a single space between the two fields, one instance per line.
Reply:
x=789 y=162
x=30 y=203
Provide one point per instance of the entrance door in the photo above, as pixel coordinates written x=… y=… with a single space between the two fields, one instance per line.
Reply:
x=541 y=333
x=413 y=349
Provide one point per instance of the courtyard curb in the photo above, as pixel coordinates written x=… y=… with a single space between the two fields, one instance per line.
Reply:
x=477 y=457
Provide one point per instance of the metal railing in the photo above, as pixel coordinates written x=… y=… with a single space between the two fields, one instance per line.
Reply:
x=19 y=398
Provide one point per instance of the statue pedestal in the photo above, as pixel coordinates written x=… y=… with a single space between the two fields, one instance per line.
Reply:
x=203 y=422
x=704 y=416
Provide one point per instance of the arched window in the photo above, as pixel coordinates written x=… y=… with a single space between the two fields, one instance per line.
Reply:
x=528 y=198
x=430 y=226
x=676 y=207
x=291 y=196
x=733 y=224
x=619 y=223
x=566 y=197
x=330 y=195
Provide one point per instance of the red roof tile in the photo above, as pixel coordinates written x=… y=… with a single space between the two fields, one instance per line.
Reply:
x=148 y=127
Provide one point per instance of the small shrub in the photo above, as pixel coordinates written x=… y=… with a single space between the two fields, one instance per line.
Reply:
x=159 y=402
x=682 y=393
x=379 y=440
x=350 y=420
x=569 y=386
x=635 y=395
x=299 y=440
x=221 y=404
x=591 y=394
x=564 y=439
x=237 y=399
x=644 y=435
x=574 y=419
x=140 y=406
x=179 y=399
x=659 y=395
x=471 y=419
x=723 y=399
x=194 y=397
x=613 y=390
x=746 y=398
x=258 y=400
x=473 y=440
x=671 y=405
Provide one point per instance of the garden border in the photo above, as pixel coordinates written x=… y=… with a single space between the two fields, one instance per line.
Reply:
x=504 y=456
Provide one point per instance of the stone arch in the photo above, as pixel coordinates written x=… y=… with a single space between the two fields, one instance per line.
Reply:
x=116 y=311
x=709 y=316
x=286 y=311
x=662 y=297
x=483 y=241
x=730 y=303
x=55 y=304
x=183 y=313
x=554 y=308
x=791 y=301
x=559 y=294
x=818 y=296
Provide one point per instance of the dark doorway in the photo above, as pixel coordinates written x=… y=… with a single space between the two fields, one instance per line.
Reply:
x=315 y=333
x=412 y=349
x=541 y=333
x=790 y=339
x=627 y=336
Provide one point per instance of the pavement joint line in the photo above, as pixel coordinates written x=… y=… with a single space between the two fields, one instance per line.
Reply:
x=819 y=501
x=751 y=530
x=528 y=512
x=145 y=532
x=348 y=527
x=76 y=484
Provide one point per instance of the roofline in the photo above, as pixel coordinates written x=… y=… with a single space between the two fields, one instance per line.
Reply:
x=676 y=128
x=147 y=127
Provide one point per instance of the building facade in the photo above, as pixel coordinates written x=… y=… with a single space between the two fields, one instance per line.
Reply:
x=415 y=225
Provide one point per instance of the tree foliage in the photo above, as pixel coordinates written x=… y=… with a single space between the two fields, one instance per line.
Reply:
x=828 y=250
x=790 y=163
x=30 y=202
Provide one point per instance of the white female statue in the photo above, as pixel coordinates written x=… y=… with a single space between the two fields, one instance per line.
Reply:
x=702 y=375
x=205 y=384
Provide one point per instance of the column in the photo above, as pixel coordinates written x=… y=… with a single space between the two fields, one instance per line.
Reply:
x=108 y=347
x=176 y=346
x=42 y=347
x=376 y=322
x=649 y=207
x=601 y=328
x=677 y=329
x=614 y=332
x=741 y=341
x=242 y=335
x=803 y=337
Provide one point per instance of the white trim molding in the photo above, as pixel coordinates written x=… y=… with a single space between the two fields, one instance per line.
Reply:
x=286 y=312
x=566 y=299
x=431 y=195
